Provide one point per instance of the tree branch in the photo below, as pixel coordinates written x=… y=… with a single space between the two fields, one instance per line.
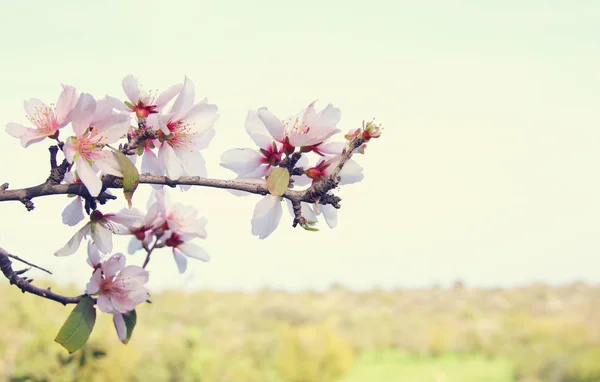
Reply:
x=25 y=284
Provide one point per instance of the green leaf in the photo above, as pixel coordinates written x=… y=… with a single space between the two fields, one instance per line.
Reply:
x=77 y=328
x=278 y=181
x=140 y=150
x=130 y=321
x=129 y=105
x=131 y=176
x=312 y=229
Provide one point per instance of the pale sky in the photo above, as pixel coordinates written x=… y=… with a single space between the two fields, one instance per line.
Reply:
x=487 y=171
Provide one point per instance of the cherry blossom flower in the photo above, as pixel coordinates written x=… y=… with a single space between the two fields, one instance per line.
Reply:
x=95 y=125
x=144 y=103
x=100 y=228
x=47 y=119
x=119 y=288
x=305 y=129
x=176 y=226
x=183 y=132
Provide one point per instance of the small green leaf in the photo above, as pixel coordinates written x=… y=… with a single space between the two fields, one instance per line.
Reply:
x=129 y=105
x=140 y=150
x=312 y=229
x=77 y=328
x=131 y=176
x=130 y=321
x=278 y=181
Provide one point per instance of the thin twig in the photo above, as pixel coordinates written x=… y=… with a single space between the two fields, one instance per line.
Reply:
x=28 y=263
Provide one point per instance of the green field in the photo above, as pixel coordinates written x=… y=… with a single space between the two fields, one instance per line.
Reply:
x=393 y=366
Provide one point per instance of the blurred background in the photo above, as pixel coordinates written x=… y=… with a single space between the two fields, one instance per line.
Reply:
x=469 y=252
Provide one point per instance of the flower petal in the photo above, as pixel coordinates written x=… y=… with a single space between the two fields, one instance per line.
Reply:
x=88 y=177
x=169 y=162
x=102 y=237
x=73 y=213
x=267 y=214
x=104 y=304
x=83 y=113
x=180 y=260
x=113 y=265
x=65 y=104
x=74 y=243
x=272 y=123
x=194 y=251
x=184 y=100
x=330 y=214
x=94 y=257
x=131 y=87
x=93 y=286
x=257 y=130
x=241 y=161
x=120 y=327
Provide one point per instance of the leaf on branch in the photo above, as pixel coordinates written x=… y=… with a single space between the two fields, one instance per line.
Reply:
x=130 y=321
x=278 y=181
x=131 y=176
x=79 y=325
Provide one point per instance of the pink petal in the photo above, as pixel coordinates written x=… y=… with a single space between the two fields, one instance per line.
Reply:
x=15 y=130
x=104 y=304
x=272 y=123
x=94 y=257
x=65 y=104
x=133 y=277
x=83 y=114
x=202 y=116
x=93 y=286
x=131 y=87
x=267 y=214
x=113 y=265
x=120 y=327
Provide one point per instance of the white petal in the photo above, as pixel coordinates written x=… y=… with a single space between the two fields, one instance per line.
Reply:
x=202 y=117
x=333 y=148
x=184 y=100
x=167 y=95
x=88 y=177
x=193 y=163
x=330 y=214
x=257 y=130
x=102 y=237
x=272 y=123
x=73 y=213
x=15 y=129
x=134 y=245
x=74 y=243
x=351 y=172
x=180 y=260
x=131 y=88
x=241 y=161
x=150 y=163
x=301 y=180
x=194 y=251
x=267 y=214
x=120 y=327
x=113 y=265
x=109 y=164
x=93 y=286
x=169 y=162
x=200 y=142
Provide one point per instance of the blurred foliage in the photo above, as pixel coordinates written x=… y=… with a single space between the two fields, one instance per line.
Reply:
x=538 y=332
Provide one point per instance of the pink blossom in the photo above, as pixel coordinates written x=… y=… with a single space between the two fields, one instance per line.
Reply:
x=305 y=129
x=144 y=103
x=95 y=125
x=47 y=119
x=100 y=228
x=184 y=130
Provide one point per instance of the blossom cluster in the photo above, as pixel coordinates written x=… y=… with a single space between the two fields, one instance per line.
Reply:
x=169 y=130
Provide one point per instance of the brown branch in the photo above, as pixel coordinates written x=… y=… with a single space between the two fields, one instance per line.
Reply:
x=25 y=284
